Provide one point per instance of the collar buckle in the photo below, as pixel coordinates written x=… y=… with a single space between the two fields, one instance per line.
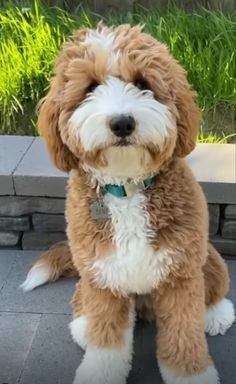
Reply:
x=129 y=189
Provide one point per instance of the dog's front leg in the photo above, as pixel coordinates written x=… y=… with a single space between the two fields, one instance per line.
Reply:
x=108 y=323
x=182 y=347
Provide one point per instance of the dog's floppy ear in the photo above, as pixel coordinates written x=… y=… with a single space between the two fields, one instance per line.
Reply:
x=60 y=154
x=189 y=114
x=48 y=120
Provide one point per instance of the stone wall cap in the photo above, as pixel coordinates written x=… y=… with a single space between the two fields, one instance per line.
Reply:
x=214 y=163
x=37 y=176
x=214 y=166
x=34 y=174
x=12 y=149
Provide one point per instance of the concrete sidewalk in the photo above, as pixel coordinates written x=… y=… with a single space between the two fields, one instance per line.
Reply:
x=35 y=343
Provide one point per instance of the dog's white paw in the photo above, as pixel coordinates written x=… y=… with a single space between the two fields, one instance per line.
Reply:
x=210 y=376
x=103 y=366
x=219 y=317
x=78 y=330
x=91 y=377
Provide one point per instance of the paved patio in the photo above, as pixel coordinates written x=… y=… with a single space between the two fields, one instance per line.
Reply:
x=36 y=346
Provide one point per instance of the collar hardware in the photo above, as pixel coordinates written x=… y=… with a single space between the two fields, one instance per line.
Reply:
x=128 y=189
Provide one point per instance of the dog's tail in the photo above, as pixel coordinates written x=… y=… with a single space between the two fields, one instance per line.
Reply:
x=52 y=264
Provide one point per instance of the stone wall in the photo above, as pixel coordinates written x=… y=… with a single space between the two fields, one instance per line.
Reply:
x=37 y=223
x=222 y=228
x=32 y=194
x=128 y=5
x=31 y=222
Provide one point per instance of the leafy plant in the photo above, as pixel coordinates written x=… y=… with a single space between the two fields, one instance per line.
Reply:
x=30 y=36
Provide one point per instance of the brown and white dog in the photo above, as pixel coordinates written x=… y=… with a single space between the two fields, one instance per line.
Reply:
x=121 y=114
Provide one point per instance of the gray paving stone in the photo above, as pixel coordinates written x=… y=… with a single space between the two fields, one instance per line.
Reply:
x=230 y=211
x=37 y=176
x=228 y=230
x=14 y=223
x=224 y=246
x=17 y=331
x=9 y=238
x=214 y=167
x=18 y=205
x=223 y=351
x=12 y=149
x=6 y=262
x=53 y=298
x=45 y=223
x=144 y=368
x=214 y=216
x=49 y=363
x=232 y=272
x=54 y=357
x=38 y=241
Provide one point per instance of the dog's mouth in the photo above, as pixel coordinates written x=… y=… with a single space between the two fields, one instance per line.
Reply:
x=122 y=143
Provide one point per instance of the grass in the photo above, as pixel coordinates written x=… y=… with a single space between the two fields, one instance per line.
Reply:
x=204 y=42
x=214 y=137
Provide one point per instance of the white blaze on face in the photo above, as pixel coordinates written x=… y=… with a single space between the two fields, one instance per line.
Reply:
x=90 y=121
x=101 y=38
x=102 y=45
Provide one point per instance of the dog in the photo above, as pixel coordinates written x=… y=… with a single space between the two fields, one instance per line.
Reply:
x=121 y=115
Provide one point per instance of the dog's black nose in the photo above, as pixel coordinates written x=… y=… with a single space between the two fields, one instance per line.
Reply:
x=122 y=125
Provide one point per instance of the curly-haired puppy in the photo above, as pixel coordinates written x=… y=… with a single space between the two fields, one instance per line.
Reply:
x=121 y=114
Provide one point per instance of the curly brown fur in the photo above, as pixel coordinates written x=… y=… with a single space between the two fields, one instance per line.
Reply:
x=133 y=75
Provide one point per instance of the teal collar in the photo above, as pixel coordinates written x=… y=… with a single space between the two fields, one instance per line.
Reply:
x=128 y=189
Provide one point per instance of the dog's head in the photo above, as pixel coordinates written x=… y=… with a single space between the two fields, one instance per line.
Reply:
x=118 y=103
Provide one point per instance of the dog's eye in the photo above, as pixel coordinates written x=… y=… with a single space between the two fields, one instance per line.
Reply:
x=92 y=87
x=142 y=85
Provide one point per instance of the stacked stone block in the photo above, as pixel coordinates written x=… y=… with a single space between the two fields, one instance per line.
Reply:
x=31 y=222
x=222 y=227
x=37 y=223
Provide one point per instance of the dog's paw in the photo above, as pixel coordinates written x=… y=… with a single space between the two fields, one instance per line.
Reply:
x=103 y=366
x=86 y=378
x=210 y=376
x=219 y=317
x=78 y=330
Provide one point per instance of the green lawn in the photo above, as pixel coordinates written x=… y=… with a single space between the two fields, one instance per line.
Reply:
x=204 y=42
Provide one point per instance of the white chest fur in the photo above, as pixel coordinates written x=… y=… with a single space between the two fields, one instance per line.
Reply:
x=134 y=267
